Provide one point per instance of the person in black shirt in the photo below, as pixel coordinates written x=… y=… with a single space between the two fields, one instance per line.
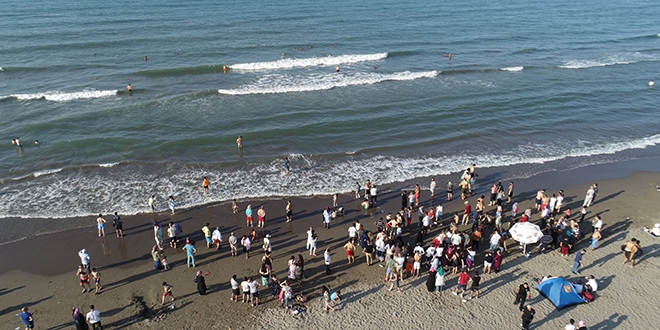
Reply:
x=522 y=294
x=527 y=316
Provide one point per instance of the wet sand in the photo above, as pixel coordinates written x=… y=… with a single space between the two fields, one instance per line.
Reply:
x=39 y=271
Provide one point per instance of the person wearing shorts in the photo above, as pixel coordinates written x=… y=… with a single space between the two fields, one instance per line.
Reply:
x=100 y=223
x=167 y=292
x=207 y=235
x=232 y=244
x=474 y=288
x=235 y=292
x=254 y=292
x=84 y=278
x=245 y=286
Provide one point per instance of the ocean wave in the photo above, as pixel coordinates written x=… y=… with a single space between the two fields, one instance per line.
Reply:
x=271 y=84
x=72 y=193
x=622 y=59
x=108 y=165
x=290 y=63
x=57 y=96
x=513 y=68
x=46 y=172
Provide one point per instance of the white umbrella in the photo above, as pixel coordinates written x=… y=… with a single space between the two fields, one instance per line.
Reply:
x=525 y=232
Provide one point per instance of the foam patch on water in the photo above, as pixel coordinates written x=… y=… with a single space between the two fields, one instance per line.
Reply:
x=108 y=165
x=271 y=84
x=63 y=96
x=622 y=59
x=46 y=172
x=289 y=63
x=513 y=68
x=89 y=191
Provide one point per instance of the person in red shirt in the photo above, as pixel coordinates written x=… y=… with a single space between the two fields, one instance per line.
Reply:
x=466 y=214
x=463 y=279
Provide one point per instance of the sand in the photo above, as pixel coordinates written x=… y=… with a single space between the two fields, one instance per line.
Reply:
x=39 y=271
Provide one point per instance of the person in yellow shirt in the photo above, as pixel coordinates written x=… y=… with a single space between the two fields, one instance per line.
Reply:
x=205 y=184
x=207 y=235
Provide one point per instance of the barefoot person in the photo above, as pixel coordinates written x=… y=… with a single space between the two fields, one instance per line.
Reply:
x=261 y=213
x=83 y=275
x=167 y=292
x=119 y=225
x=205 y=185
x=100 y=223
x=289 y=211
x=97 y=280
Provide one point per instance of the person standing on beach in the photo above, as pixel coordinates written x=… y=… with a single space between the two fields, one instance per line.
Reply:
x=152 y=203
x=207 y=235
x=630 y=249
x=79 y=319
x=201 y=283
x=327 y=259
x=83 y=276
x=522 y=293
x=577 y=262
x=261 y=213
x=232 y=244
x=205 y=185
x=172 y=204
x=190 y=253
x=84 y=258
x=289 y=211
x=94 y=318
x=595 y=238
x=350 y=250
x=167 y=292
x=248 y=215
x=245 y=242
x=235 y=292
x=357 y=190
x=27 y=318
x=510 y=192
x=450 y=191
x=171 y=234
x=158 y=235
x=327 y=217
x=216 y=237
x=373 y=192
x=589 y=197
x=234 y=206
x=119 y=225
x=100 y=222
x=527 y=317
x=432 y=187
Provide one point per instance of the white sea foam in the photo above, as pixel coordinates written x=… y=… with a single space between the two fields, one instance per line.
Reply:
x=289 y=63
x=1 y=69
x=271 y=84
x=57 y=96
x=621 y=59
x=109 y=165
x=68 y=193
x=513 y=68
x=46 y=172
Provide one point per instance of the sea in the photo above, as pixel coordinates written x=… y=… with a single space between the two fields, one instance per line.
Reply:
x=531 y=87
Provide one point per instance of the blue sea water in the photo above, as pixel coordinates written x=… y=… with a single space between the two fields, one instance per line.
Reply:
x=532 y=86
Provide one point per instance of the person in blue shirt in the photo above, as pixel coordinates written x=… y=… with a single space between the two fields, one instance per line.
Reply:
x=577 y=262
x=27 y=319
x=190 y=252
x=286 y=165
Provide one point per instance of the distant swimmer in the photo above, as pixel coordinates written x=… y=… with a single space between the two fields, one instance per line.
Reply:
x=129 y=88
x=225 y=68
x=651 y=83
x=239 y=141
x=13 y=142
x=375 y=66
x=94 y=54
x=282 y=54
x=145 y=59
x=450 y=56
x=300 y=48
x=337 y=68
x=309 y=46
x=36 y=142
x=18 y=143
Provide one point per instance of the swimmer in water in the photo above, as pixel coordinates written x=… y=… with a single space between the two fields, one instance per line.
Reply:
x=13 y=142
x=18 y=143
x=224 y=68
x=129 y=88
x=282 y=54
x=651 y=83
x=145 y=59
x=450 y=56
x=36 y=142
x=337 y=68
x=300 y=48
x=239 y=141
x=375 y=66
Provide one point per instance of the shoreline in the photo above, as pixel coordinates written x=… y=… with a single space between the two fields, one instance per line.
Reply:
x=22 y=228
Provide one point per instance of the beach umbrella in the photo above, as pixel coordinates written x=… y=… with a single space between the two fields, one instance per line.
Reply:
x=526 y=232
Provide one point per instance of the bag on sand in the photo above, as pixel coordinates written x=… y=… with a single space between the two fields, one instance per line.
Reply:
x=588 y=296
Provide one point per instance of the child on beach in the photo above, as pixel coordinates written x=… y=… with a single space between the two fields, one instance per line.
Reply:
x=167 y=291
x=172 y=204
x=97 y=281
x=166 y=265
x=84 y=278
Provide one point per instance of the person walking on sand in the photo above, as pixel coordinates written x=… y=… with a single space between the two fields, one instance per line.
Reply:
x=100 y=222
x=27 y=318
x=463 y=279
x=527 y=317
x=595 y=238
x=83 y=276
x=630 y=250
x=190 y=253
x=589 y=197
x=577 y=262
x=152 y=203
x=201 y=283
x=522 y=293
x=289 y=211
x=97 y=281
x=172 y=204
x=84 y=258
x=79 y=319
x=350 y=250
x=474 y=288
x=167 y=292
x=94 y=318
x=205 y=185
x=261 y=213
x=119 y=225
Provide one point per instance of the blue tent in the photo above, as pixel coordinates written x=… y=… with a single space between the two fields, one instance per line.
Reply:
x=560 y=291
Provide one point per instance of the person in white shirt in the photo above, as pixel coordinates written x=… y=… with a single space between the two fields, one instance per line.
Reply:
x=326 y=257
x=217 y=238
x=591 y=281
x=374 y=195
x=254 y=292
x=245 y=286
x=438 y=213
x=234 y=289
x=310 y=233
x=94 y=318
x=456 y=240
x=570 y=325
x=495 y=240
x=352 y=234
x=432 y=187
